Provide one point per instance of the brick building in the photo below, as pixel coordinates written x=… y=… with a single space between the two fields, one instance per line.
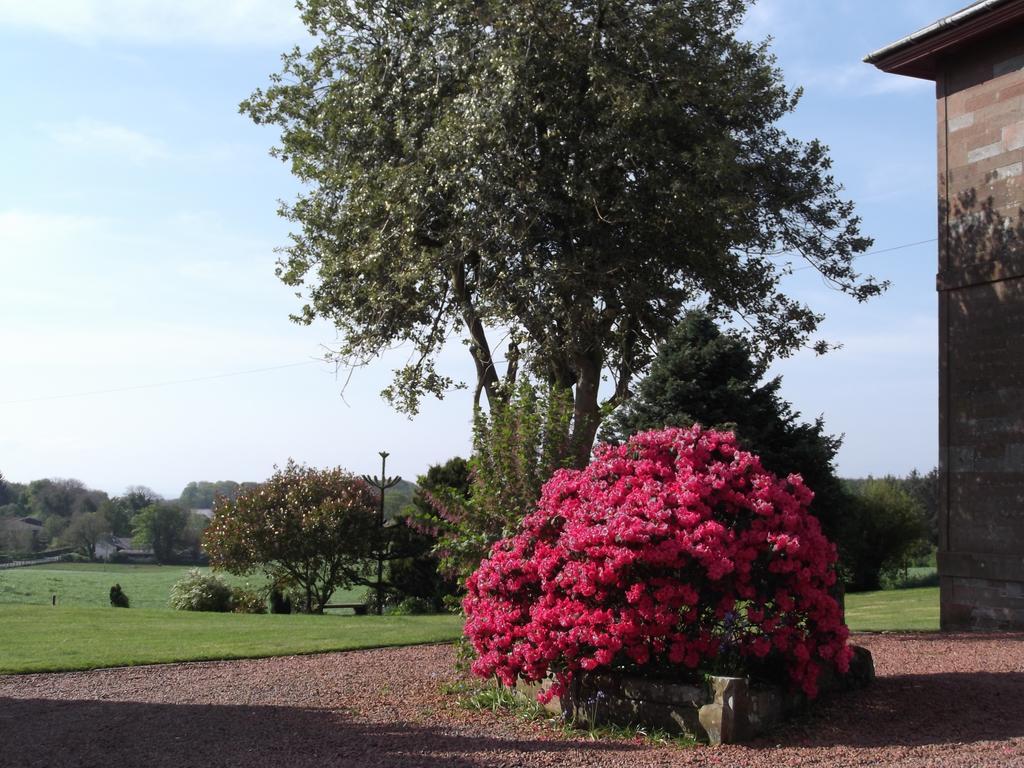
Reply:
x=976 y=59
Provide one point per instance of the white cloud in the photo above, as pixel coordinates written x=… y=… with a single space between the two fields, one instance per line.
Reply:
x=223 y=22
x=99 y=137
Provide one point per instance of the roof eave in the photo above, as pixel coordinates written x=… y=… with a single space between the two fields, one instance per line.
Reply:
x=917 y=54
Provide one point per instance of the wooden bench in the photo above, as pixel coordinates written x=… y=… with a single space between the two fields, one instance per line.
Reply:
x=358 y=608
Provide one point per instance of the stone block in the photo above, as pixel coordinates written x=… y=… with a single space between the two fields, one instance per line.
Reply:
x=721 y=710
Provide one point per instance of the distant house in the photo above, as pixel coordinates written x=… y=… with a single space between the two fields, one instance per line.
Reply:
x=20 y=533
x=121 y=548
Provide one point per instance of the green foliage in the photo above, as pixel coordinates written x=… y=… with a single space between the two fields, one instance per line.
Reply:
x=85 y=531
x=573 y=174
x=162 y=527
x=398 y=498
x=517 y=446
x=413 y=606
x=118 y=599
x=911 y=577
x=279 y=601
x=880 y=530
x=412 y=569
x=704 y=375
x=201 y=592
x=138 y=497
x=246 y=600
x=924 y=489
x=203 y=494
x=316 y=530
x=57 y=497
x=7 y=494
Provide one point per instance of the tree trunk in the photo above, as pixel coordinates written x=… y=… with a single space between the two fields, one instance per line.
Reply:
x=586 y=412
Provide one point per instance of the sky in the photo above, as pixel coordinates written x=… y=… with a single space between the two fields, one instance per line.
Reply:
x=144 y=338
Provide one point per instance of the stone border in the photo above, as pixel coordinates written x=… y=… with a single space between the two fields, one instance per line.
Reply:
x=726 y=710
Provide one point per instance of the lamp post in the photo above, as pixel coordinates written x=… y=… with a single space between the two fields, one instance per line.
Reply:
x=381 y=483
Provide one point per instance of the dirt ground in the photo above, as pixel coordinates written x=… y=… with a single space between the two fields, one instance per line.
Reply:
x=940 y=700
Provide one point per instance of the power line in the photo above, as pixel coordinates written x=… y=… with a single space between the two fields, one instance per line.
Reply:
x=155 y=385
x=214 y=377
x=875 y=253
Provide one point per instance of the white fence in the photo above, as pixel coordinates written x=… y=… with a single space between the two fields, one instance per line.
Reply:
x=37 y=561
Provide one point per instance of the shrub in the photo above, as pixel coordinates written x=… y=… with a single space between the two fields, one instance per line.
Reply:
x=370 y=601
x=244 y=600
x=674 y=551
x=118 y=599
x=317 y=529
x=279 y=602
x=197 y=591
x=517 y=445
x=883 y=528
x=413 y=606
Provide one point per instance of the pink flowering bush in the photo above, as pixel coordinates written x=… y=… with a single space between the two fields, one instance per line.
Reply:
x=677 y=550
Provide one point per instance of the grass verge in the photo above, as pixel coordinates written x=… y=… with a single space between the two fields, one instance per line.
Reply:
x=46 y=639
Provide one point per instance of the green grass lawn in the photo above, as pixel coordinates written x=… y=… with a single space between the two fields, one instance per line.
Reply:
x=37 y=638
x=894 y=609
x=83 y=632
x=88 y=584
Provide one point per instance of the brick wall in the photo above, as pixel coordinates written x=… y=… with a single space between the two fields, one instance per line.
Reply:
x=980 y=94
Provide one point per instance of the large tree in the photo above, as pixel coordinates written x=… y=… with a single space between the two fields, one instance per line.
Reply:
x=568 y=175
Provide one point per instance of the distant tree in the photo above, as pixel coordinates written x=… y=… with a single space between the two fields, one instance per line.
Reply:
x=86 y=530
x=571 y=175
x=7 y=495
x=119 y=514
x=161 y=526
x=120 y=510
x=192 y=537
x=398 y=498
x=880 y=529
x=138 y=497
x=315 y=530
x=54 y=528
x=16 y=539
x=203 y=494
x=924 y=489
x=57 y=497
x=702 y=374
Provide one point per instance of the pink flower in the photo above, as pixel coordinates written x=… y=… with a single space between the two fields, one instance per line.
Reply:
x=662 y=549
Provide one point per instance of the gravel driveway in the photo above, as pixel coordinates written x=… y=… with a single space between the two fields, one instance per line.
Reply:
x=940 y=700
